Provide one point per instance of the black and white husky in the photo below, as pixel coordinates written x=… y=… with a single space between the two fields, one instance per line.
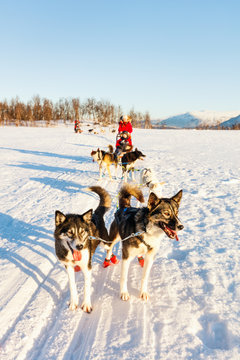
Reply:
x=147 y=225
x=128 y=162
x=148 y=178
x=75 y=249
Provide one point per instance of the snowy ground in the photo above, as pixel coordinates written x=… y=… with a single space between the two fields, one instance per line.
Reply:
x=194 y=309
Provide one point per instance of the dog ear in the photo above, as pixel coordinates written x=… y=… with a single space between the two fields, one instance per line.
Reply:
x=177 y=197
x=87 y=216
x=59 y=218
x=153 y=201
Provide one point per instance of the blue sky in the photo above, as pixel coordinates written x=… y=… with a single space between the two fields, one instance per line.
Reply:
x=165 y=57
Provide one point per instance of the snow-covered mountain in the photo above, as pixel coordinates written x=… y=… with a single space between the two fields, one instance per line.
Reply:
x=191 y=120
x=233 y=121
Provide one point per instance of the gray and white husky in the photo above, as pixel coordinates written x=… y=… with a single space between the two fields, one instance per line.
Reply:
x=75 y=249
x=151 y=222
x=148 y=178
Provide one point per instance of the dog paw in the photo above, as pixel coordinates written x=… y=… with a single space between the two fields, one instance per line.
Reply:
x=125 y=296
x=106 y=263
x=114 y=259
x=144 y=296
x=73 y=306
x=86 y=307
x=141 y=261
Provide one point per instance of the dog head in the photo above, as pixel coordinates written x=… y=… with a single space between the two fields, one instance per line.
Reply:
x=73 y=229
x=139 y=154
x=164 y=213
x=96 y=155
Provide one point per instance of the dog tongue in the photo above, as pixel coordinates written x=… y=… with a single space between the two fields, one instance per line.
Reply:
x=174 y=233
x=77 y=255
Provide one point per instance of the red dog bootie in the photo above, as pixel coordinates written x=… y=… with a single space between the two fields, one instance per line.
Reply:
x=77 y=268
x=106 y=263
x=141 y=261
x=114 y=259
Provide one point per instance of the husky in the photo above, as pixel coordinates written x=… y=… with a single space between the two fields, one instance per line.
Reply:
x=128 y=162
x=148 y=178
x=147 y=225
x=75 y=249
x=104 y=160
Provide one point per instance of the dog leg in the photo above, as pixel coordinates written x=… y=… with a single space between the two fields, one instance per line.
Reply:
x=124 y=277
x=114 y=235
x=100 y=172
x=86 y=305
x=109 y=172
x=109 y=250
x=133 y=177
x=148 y=261
x=73 y=288
x=116 y=168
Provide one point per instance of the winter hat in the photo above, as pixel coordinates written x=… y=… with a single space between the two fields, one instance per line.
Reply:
x=125 y=118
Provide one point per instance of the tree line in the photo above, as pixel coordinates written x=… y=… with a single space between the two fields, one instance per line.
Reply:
x=45 y=112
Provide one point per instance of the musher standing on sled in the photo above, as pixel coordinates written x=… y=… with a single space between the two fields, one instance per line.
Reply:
x=124 y=134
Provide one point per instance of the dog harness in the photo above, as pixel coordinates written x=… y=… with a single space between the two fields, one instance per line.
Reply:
x=126 y=214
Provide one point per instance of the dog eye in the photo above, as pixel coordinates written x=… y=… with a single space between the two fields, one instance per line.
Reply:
x=166 y=213
x=82 y=232
x=70 y=233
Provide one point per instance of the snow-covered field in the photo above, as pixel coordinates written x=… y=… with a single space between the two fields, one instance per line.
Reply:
x=194 y=308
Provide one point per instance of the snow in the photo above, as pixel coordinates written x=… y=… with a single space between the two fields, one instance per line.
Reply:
x=200 y=118
x=194 y=306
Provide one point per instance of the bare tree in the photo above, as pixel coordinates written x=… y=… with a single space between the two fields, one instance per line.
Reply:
x=147 y=124
x=47 y=111
x=37 y=108
x=76 y=108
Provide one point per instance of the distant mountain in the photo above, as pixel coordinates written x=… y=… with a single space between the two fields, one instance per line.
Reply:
x=191 y=120
x=231 y=122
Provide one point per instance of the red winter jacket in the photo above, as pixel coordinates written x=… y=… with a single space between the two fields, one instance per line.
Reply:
x=118 y=143
x=125 y=127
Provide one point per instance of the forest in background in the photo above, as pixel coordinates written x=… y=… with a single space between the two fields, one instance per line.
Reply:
x=44 y=112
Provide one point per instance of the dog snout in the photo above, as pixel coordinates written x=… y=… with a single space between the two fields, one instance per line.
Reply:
x=180 y=227
x=79 y=247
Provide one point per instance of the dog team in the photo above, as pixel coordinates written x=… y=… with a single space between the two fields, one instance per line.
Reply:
x=140 y=229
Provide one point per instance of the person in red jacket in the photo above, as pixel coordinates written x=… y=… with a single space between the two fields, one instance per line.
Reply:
x=125 y=127
x=124 y=141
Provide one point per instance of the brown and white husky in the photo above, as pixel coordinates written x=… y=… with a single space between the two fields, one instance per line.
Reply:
x=104 y=160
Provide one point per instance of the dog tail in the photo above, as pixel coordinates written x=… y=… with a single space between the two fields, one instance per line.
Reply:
x=105 y=200
x=125 y=195
x=110 y=147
